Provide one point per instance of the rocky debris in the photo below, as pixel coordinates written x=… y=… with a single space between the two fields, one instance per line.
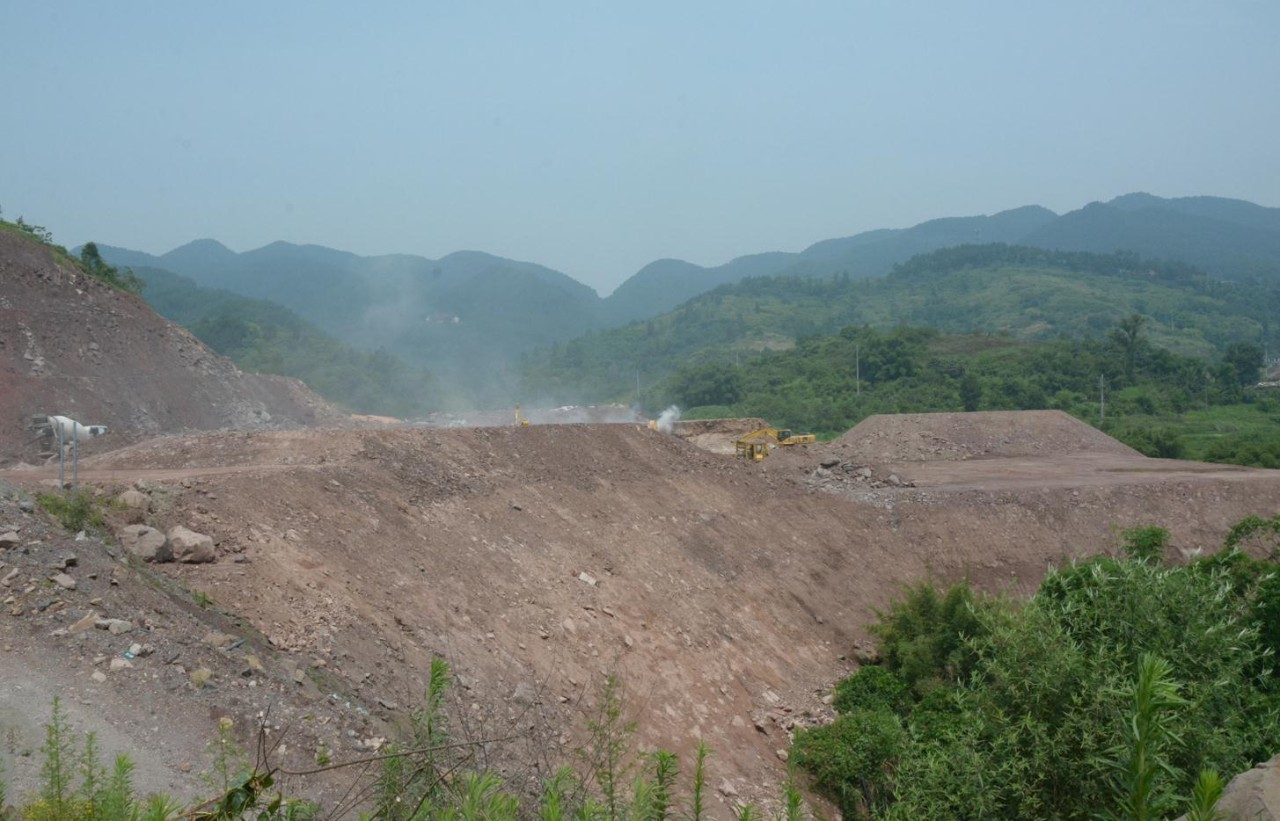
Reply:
x=9 y=539
x=220 y=640
x=58 y=616
x=115 y=626
x=834 y=475
x=146 y=543
x=190 y=547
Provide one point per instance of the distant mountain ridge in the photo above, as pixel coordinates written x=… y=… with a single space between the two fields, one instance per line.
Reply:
x=470 y=316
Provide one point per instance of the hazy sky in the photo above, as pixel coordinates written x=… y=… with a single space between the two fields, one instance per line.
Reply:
x=594 y=138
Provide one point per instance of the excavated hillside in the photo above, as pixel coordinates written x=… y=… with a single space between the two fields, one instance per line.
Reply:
x=726 y=596
x=72 y=345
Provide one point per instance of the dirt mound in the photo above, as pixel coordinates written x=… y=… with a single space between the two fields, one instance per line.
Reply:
x=71 y=345
x=724 y=594
x=951 y=437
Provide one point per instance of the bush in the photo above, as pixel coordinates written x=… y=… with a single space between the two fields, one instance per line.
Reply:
x=924 y=636
x=1145 y=544
x=1120 y=677
x=871 y=688
x=850 y=758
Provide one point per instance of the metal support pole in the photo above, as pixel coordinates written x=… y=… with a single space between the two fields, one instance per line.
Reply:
x=62 y=469
x=75 y=457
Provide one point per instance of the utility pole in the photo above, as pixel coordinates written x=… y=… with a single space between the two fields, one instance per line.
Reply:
x=1102 y=400
x=857 y=369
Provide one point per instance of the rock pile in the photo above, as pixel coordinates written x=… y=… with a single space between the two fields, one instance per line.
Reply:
x=835 y=475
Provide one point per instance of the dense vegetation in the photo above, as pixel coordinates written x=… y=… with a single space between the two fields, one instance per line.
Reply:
x=1118 y=690
x=1021 y=293
x=1161 y=403
x=265 y=337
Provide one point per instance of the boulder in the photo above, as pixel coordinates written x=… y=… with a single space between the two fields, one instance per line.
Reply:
x=865 y=653
x=9 y=539
x=190 y=547
x=1254 y=793
x=133 y=506
x=146 y=543
x=134 y=499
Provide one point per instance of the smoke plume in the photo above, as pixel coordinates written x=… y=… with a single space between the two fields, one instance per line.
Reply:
x=668 y=418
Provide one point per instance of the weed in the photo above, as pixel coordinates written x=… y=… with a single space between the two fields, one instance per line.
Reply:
x=75 y=511
x=230 y=763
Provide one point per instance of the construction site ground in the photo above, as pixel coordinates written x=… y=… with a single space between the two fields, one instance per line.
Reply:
x=726 y=596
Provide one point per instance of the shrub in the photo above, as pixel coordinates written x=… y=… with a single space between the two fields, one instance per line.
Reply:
x=870 y=688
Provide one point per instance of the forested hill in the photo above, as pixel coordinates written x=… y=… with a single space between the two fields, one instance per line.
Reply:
x=1025 y=293
x=465 y=317
x=266 y=337
x=1229 y=239
x=1232 y=239
x=663 y=285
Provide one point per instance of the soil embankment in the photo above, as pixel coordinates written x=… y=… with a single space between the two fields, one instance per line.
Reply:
x=725 y=595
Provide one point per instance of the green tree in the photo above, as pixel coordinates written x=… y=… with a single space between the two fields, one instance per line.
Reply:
x=711 y=384
x=1126 y=336
x=970 y=392
x=1245 y=360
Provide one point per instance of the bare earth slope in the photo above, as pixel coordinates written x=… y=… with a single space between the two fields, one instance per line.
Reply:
x=725 y=595
x=72 y=345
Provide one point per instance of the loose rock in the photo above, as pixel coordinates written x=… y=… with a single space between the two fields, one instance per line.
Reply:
x=146 y=543
x=190 y=547
x=114 y=626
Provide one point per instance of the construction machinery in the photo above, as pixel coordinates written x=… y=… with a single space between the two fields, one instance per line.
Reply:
x=755 y=445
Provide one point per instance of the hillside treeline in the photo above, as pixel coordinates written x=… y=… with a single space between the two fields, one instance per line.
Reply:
x=1025 y=294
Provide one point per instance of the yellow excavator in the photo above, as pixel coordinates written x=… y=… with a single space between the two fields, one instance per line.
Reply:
x=755 y=445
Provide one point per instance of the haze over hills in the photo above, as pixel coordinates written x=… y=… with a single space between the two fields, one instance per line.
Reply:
x=465 y=317
x=469 y=316
x=259 y=335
